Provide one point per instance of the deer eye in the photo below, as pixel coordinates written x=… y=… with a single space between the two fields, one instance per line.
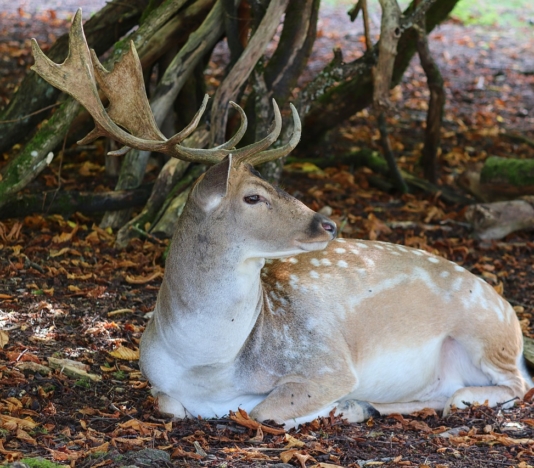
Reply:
x=253 y=199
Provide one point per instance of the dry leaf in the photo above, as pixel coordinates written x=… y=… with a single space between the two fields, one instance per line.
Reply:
x=124 y=353
x=143 y=279
x=243 y=419
x=292 y=442
x=119 y=312
x=4 y=338
x=303 y=458
x=10 y=422
x=287 y=455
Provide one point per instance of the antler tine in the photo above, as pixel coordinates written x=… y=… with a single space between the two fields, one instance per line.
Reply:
x=276 y=153
x=246 y=153
x=232 y=142
x=213 y=155
x=75 y=77
x=191 y=127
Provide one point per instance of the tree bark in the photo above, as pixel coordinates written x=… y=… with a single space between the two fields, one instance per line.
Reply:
x=175 y=76
x=34 y=158
x=436 y=105
x=102 y=31
x=332 y=104
x=68 y=202
x=229 y=88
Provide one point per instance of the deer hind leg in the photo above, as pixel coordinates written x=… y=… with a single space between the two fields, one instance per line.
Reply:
x=296 y=400
x=498 y=359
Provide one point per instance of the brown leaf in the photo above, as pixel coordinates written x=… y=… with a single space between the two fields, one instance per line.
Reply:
x=124 y=353
x=143 y=279
x=292 y=442
x=287 y=455
x=303 y=458
x=179 y=453
x=529 y=396
x=425 y=413
x=4 y=338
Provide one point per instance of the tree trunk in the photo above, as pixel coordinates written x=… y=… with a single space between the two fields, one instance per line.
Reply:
x=175 y=76
x=331 y=105
x=102 y=31
x=436 y=104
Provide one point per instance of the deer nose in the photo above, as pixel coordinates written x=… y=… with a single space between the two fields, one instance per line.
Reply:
x=329 y=226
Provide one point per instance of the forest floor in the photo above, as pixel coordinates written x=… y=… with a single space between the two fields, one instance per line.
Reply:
x=73 y=308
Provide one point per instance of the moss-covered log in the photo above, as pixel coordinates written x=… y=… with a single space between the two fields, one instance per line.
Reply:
x=508 y=177
x=68 y=202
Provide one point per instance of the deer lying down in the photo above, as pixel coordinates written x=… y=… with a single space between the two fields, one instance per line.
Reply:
x=261 y=308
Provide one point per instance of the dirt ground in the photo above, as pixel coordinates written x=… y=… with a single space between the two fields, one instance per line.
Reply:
x=67 y=293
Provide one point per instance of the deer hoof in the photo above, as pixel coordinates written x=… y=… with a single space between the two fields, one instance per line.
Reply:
x=356 y=410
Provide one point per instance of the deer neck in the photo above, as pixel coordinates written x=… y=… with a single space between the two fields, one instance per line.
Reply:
x=210 y=294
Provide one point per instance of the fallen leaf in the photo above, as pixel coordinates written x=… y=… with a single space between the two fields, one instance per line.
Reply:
x=287 y=455
x=243 y=419
x=4 y=338
x=143 y=279
x=292 y=442
x=124 y=353
x=10 y=422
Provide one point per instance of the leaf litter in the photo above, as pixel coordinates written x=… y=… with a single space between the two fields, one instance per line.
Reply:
x=73 y=308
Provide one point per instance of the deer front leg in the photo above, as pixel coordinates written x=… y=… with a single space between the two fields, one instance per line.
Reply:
x=294 y=402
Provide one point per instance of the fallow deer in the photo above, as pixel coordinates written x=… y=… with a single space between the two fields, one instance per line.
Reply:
x=261 y=308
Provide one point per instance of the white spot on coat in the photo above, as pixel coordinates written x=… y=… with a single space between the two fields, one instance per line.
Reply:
x=339 y=250
x=326 y=262
x=315 y=262
x=342 y=264
x=314 y=274
x=433 y=259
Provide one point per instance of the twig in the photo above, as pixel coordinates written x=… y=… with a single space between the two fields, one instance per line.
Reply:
x=30 y=115
x=146 y=234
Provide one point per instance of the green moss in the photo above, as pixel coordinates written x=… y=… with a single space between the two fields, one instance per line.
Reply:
x=39 y=463
x=516 y=172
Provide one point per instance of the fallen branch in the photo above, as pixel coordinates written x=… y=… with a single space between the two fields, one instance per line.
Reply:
x=492 y=221
x=68 y=202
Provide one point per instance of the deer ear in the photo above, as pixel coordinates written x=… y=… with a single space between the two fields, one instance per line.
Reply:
x=213 y=186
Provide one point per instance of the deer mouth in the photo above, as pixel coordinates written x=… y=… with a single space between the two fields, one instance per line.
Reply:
x=311 y=246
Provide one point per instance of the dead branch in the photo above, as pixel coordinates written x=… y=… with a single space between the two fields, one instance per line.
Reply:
x=382 y=77
x=436 y=103
x=390 y=33
x=491 y=221
x=229 y=88
x=175 y=76
x=68 y=202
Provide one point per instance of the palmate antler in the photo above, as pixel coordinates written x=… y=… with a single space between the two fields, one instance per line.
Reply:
x=129 y=107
